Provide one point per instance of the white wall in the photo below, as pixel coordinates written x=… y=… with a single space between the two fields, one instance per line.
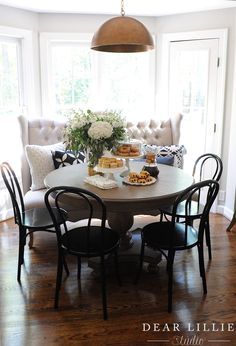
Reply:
x=80 y=23
x=216 y=19
x=17 y=18
x=230 y=203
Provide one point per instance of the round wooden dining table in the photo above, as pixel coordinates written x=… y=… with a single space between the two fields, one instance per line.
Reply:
x=125 y=201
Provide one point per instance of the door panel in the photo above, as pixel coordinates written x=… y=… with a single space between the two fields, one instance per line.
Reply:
x=193 y=91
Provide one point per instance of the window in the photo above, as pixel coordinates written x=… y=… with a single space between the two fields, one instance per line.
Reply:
x=75 y=76
x=10 y=71
x=126 y=83
x=16 y=97
x=71 y=76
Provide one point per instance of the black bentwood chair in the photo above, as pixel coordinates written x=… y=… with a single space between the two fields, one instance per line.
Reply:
x=83 y=241
x=206 y=160
x=171 y=236
x=28 y=221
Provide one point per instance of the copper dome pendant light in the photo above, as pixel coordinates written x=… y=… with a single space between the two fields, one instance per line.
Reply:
x=122 y=35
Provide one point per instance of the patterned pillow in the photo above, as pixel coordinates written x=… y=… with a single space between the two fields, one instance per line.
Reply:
x=169 y=154
x=40 y=162
x=66 y=158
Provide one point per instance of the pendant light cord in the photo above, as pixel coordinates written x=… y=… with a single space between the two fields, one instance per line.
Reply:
x=122 y=8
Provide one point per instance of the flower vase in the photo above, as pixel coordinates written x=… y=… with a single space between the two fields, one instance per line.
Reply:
x=91 y=171
x=91 y=160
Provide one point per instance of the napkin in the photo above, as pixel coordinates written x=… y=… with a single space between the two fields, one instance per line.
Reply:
x=101 y=182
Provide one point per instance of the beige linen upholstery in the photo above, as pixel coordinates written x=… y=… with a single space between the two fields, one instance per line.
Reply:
x=40 y=132
x=45 y=132
x=165 y=132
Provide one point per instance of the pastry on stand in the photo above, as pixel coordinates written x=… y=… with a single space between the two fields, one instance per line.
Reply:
x=109 y=166
x=128 y=150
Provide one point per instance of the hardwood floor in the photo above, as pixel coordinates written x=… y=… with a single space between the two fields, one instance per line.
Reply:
x=27 y=316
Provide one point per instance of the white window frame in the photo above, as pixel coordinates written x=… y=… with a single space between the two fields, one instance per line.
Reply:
x=28 y=94
x=28 y=70
x=222 y=36
x=46 y=40
x=17 y=42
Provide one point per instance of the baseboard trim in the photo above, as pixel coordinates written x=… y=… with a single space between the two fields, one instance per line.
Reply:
x=228 y=213
x=6 y=214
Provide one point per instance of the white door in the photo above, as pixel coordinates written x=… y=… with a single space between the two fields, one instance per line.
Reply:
x=193 y=67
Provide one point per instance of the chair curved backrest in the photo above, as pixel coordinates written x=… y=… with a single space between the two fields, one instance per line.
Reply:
x=202 y=161
x=77 y=197
x=14 y=189
x=210 y=188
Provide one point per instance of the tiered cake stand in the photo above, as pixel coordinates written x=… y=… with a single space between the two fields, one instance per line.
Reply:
x=125 y=172
x=109 y=172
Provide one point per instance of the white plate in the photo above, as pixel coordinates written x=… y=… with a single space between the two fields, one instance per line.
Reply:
x=126 y=181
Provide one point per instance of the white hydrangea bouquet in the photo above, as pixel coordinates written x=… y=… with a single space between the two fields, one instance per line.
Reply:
x=93 y=132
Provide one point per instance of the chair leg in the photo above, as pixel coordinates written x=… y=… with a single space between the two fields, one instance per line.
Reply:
x=65 y=266
x=59 y=278
x=116 y=264
x=161 y=216
x=19 y=262
x=104 y=295
x=31 y=240
x=140 y=263
x=208 y=238
x=170 y=260
x=202 y=267
x=22 y=237
x=78 y=267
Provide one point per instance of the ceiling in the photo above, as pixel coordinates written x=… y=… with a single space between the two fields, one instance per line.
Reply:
x=112 y=7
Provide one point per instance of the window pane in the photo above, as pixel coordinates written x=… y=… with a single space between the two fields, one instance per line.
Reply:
x=83 y=78
x=71 y=75
x=126 y=84
x=10 y=98
x=9 y=81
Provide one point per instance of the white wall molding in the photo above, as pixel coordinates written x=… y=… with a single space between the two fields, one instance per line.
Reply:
x=228 y=213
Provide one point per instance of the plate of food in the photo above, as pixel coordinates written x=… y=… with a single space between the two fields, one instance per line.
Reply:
x=139 y=179
x=110 y=165
x=128 y=150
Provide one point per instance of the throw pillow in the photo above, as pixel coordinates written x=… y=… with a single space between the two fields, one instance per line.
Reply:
x=40 y=162
x=66 y=158
x=169 y=154
x=166 y=160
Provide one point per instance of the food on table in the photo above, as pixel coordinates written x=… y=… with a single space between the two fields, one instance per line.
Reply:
x=128 y=149
x=142 y=178
x=110 y=162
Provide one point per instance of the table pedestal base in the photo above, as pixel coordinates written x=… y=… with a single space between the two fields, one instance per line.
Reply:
x=129 y=258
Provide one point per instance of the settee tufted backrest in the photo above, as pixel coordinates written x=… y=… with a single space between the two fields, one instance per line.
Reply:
x=39 y=132
x=165 y=132
x=43 y=131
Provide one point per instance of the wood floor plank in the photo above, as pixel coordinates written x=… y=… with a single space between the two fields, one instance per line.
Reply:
x=27 y=316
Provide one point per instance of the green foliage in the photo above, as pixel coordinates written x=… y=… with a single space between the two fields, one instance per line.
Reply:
x=94 y=132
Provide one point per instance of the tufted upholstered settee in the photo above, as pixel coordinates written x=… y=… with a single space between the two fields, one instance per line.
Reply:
x=43 y=131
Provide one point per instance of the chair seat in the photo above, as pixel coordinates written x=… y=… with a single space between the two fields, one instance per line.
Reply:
x=40 y=218
x=157 y=235
x=194 y=212
x=77 y=239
